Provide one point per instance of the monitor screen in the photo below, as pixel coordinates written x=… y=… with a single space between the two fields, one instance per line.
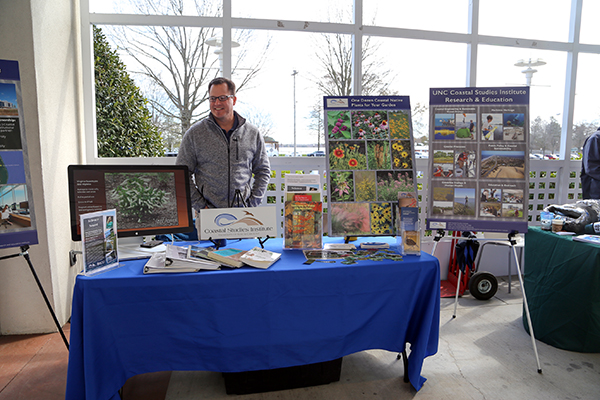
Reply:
x=149 y=199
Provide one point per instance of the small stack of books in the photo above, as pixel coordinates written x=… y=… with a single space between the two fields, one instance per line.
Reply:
x=196 y=258
x=260 y=258
x=228 y=257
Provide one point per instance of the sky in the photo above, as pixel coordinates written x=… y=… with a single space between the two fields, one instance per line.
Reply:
x=418 y=65
x=8 y=92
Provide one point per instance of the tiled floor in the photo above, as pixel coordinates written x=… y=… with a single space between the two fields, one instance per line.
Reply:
x=484 y=353
x=34 y=367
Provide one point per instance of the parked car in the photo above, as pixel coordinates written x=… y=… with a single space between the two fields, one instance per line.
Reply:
x=318 y=153
x=535 y=156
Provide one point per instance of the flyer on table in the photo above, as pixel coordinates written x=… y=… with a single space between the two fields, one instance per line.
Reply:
x=479 y=159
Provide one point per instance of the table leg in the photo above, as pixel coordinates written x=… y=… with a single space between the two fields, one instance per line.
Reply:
x=405 y=362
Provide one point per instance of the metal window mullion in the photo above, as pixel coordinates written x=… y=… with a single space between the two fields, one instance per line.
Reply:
x=569 y=99
x=89 y=137
x=226 y=47
x=473 y=46
x=357 y=48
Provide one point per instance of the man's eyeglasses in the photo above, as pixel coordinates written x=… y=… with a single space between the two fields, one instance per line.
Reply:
x=212 y=99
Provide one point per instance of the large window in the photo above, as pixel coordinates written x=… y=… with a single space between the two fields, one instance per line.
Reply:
x=278 y=53
x=589 y=22
x=306 y=10
x=211 y=8
x=284 y=86
x=496 y=67
x=526 y=19
x=432 y=15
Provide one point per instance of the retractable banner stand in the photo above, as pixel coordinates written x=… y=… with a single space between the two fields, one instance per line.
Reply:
x=17 y=221
x=479 y=159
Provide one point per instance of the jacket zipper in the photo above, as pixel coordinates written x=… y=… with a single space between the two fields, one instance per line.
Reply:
x=228 y=174
x=237 y=153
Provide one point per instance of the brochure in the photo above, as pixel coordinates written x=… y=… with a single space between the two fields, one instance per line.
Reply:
x=99 y=241
x=303 y=225
x=587 y=238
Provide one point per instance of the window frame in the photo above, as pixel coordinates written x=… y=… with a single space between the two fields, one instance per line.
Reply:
x=356 y=29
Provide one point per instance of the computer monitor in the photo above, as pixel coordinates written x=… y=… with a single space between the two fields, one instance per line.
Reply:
x=149 y=199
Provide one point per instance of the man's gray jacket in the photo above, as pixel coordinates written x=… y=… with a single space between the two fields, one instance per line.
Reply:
x=221 y=168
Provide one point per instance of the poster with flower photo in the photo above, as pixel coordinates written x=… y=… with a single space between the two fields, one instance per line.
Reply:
x=370 y=163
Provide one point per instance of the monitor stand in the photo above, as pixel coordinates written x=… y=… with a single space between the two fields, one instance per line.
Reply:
x=129 y=248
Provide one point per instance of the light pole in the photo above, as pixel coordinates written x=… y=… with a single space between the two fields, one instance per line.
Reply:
x=217 y=42
x=294 y=75
x=529 y=71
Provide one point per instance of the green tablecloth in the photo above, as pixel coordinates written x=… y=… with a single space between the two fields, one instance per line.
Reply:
x=562 y=284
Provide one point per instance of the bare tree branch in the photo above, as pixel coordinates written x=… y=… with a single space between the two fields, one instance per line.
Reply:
x=178 y=61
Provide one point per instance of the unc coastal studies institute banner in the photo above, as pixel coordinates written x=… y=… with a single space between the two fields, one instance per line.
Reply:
x=479 y=159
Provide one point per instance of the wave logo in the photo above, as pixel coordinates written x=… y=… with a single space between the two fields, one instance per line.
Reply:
x=337 y=103
x=227 y=219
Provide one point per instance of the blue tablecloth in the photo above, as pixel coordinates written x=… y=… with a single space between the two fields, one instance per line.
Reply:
x=125 y=323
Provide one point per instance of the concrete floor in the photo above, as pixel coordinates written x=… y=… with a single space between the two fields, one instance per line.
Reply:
x=484 y=353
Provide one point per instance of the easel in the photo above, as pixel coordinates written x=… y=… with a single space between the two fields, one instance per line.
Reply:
x=512 y=243
x=25 y=255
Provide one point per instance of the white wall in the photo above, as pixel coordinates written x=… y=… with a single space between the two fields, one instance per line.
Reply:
x=43 y=37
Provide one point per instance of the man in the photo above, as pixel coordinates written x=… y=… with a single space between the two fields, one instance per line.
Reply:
x=590 y=167
x=222 y=152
